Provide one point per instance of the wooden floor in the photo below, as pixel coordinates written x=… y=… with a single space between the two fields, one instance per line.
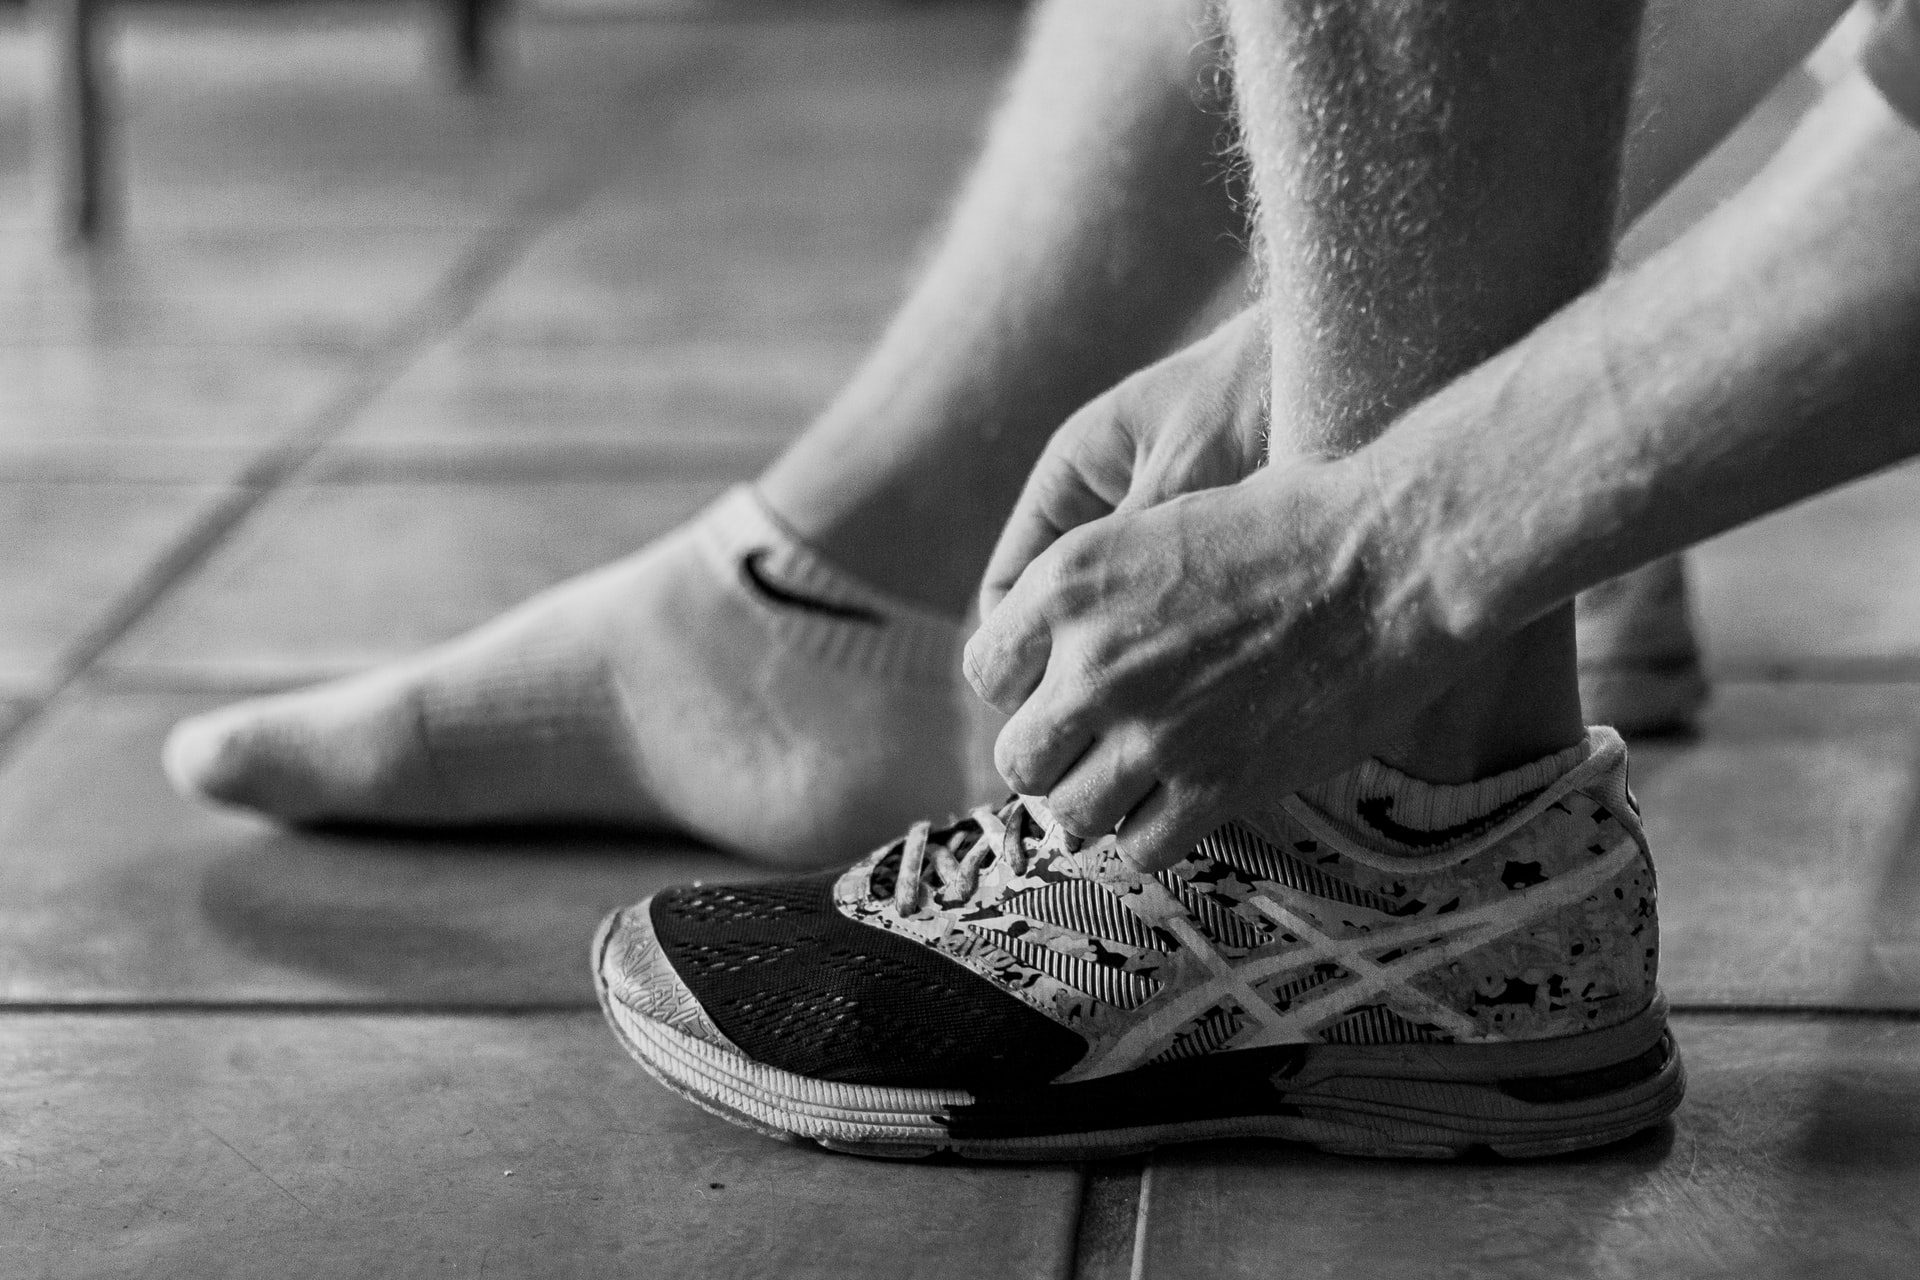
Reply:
x=374 y=361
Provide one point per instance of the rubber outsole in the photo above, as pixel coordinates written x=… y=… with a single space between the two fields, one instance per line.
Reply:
x=1520 y=1100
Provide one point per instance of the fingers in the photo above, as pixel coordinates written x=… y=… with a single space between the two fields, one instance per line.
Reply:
x=1009 y=654
x=1166 y=826
x=1061 y=494
x=1045 y=738
x=1109 y=779
x=1006 y=657
x=1034 y=526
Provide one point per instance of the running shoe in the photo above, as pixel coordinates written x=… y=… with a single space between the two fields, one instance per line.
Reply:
x=997 y=989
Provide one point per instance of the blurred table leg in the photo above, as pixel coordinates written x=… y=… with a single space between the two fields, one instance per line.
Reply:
x=473 y=33
x=78 y=124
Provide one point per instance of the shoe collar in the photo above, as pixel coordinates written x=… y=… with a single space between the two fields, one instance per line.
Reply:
x=1604 y=770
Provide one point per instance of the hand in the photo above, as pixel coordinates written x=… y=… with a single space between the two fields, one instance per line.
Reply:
x=1176 y=665
x=1195 y=420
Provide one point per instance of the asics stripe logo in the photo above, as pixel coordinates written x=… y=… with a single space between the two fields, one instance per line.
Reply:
x=1437 y=939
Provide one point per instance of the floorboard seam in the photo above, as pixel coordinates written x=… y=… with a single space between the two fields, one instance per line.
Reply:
x=1105 y=1220
x=1797 y=1012
x=1137 y=1270
x=297 y=1008
x=557 y=464
x=1899 y=668
x=1765 y=1012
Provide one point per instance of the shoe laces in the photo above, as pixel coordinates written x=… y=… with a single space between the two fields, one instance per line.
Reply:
x=947 y=866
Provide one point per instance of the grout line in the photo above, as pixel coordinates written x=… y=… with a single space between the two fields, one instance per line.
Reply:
x=1104 y=1226
x=1891 y=669
x=299 y=1009
x=1071 y=1251
x=1138 y=1271
x=493 y=251
x=1797 y=1012
x=1777 y=1012
x=564 y=463
x=1104 y=1220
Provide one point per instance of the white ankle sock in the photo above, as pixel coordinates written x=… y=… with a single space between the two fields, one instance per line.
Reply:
x=725 y=681
x=1382 y=808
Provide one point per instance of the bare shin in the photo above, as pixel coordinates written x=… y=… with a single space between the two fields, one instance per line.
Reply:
x=1434 y=178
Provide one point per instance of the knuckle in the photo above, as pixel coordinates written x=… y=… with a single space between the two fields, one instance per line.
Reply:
x=1082 y=551
x=1148 y=751
x=1089 y=675
x=1070 y=576
x=1058 y=574
x=1056 y=469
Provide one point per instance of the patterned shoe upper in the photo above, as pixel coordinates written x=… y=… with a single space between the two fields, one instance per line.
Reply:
x=994 y=953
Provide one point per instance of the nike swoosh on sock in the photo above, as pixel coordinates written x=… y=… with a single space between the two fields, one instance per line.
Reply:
x=774 y=593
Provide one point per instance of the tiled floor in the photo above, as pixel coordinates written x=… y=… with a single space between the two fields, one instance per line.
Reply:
x=375 y=360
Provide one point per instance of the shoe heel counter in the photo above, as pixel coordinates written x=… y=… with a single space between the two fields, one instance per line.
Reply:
x=1631 y=899
x=1590 y=960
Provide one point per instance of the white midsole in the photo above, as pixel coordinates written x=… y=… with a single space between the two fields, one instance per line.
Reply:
x=879 y=1118
x=794 y=1103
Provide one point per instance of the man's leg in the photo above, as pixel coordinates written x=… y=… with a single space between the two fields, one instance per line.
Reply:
x=1434 y=177
x=543 y=714
x=1098 y=221
x=782 y=677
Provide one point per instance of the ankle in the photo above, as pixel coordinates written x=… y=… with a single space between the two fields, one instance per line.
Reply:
x=925 y=543
x=1446 y=756
x=1384 y=808
x=1517 y=706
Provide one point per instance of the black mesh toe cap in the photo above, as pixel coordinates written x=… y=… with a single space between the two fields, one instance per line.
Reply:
x=798 y=986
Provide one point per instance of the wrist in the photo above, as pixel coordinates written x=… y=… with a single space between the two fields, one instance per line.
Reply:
x=1335 y=545
x=1419 y=602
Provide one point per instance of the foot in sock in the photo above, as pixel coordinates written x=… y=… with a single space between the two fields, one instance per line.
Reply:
x=1377 y=967
x=725 y=682
x=1639 y=662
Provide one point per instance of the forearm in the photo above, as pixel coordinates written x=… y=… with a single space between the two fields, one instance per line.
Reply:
x=1765 y=356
